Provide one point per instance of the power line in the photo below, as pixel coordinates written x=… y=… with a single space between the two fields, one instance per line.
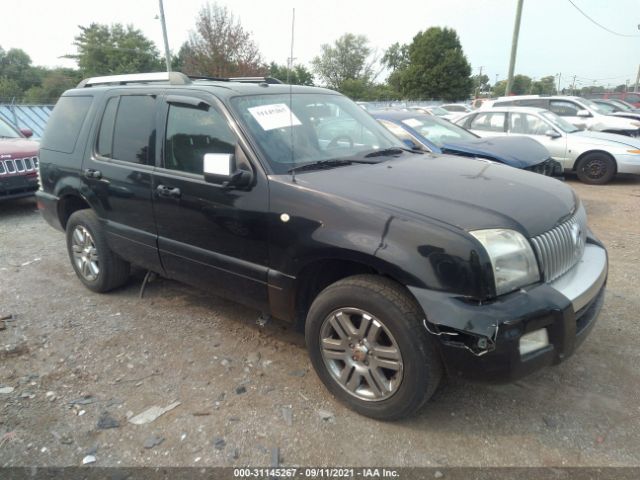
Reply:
x=599 y=24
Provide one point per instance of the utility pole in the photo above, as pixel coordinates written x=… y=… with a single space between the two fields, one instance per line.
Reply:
x=635 y=87
x=478 y=88
x=167 y=55
x=573 y=86
x=559 y=78
x=514 y=47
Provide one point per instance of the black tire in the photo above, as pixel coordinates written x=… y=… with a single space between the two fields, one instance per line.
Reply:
x=596 y=168
x=113 y=271
x=392 y=305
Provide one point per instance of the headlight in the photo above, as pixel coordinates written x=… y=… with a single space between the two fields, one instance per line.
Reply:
x=514 y=264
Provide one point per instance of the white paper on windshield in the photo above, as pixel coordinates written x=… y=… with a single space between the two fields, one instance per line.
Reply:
x=274 y=116
x=412 y=122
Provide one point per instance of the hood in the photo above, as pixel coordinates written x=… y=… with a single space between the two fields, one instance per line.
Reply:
x=17 y=148
x=604 y=139
x=604 y=122
x=631 y=115
x=519 y=152
x=465 y=193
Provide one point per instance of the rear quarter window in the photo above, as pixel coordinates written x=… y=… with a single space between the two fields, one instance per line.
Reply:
x=65 y=123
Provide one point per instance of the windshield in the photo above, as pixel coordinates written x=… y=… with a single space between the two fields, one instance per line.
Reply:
x=622 y=104
x=605 y=107
x=439 y=111
x=594 y=106
x=559 y=122
x=436 y=130
x=292 y=130
x=7 y=131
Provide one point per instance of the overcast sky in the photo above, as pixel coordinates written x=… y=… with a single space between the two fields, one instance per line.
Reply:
x=554 y=36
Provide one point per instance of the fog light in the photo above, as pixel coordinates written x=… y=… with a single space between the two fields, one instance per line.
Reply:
x=533 y=341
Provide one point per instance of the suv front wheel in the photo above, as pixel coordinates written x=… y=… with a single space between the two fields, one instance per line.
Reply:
x=368 y=346
x=95 y=264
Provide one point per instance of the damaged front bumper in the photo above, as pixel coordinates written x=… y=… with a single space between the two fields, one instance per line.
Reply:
x=482 y=341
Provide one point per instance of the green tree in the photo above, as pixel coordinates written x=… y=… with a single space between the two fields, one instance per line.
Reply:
x=54 y=83
x=347 y=64
x=220 y=47
x=298 y=75
x=396 y=57
x=544 y=86
x=521 y=85
x=16 y=65
x=116 y=49
x=10 y=90
x=437 y=67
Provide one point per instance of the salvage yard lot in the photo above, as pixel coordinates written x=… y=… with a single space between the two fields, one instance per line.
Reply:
x=246 y=390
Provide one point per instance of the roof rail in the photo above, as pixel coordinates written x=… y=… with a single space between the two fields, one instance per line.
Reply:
x=269 y=80
x=173 y=78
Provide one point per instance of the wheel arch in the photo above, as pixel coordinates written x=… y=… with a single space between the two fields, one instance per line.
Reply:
x=318 y=273
x=69 y=203
x=590 y=152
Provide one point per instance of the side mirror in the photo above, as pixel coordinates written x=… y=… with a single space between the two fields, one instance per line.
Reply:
x=583 y=113
x=552 y=133
x=220 y=169
x=27 y=132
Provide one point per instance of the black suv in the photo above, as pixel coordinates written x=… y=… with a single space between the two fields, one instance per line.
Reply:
x=295 y=201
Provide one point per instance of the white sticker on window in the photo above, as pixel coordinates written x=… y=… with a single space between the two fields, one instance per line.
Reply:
x=412 y=122
x=274 y=116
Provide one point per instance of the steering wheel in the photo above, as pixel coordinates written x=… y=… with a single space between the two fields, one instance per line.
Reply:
x=334 y=141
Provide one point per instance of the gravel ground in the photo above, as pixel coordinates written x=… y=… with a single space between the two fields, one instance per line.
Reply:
x=75 y=366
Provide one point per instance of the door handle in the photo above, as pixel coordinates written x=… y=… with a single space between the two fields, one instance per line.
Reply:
x=91 y=173
x=168 y=192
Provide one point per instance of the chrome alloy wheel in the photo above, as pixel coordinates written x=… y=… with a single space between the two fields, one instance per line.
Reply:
x=361 y=354
x=85 y=253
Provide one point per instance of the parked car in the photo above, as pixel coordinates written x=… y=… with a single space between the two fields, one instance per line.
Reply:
x=18 y=162
x=433 y=110
x=594 y=156
x=419 y=131
x=623 y=106
x=632 y=98
x=399 y=265
x=457 y=108
x=611 y=108
x=581 y=112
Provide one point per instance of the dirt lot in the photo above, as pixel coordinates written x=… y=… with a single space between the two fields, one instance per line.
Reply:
x=79 y=362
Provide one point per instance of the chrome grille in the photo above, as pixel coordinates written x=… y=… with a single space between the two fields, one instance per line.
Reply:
x=27 y=164
x=560 y=248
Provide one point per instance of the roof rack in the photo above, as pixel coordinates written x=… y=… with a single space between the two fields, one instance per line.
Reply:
x=269 y=80
x=173 y=78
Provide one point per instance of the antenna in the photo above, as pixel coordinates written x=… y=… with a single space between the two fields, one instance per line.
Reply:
x=290 y=62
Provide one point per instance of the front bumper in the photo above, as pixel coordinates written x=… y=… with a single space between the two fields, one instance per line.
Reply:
x=18 y=186
x=481 y=341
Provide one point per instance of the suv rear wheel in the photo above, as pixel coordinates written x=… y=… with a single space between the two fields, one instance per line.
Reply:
x=368 y=346
x=95 y=264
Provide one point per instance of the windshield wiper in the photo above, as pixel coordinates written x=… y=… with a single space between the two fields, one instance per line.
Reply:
x=388 y=152
x=320 y=164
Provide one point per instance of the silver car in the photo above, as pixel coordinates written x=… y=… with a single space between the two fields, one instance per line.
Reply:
x=594 y=156
x=581 y=112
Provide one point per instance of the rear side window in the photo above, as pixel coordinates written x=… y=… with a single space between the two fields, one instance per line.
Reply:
x=127 y=129
x=490 y=122
x=65 y=123
x=564 y=108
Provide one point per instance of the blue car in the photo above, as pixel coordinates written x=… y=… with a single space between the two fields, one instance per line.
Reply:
x=432 y=134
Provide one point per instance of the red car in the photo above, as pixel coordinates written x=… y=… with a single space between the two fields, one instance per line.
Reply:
x=18 y=162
